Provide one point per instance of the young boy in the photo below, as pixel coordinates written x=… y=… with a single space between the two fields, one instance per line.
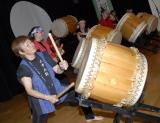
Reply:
x=37 y=75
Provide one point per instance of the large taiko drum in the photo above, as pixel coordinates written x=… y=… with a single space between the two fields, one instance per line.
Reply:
x=61 y=27
x=131 y=27
x=112 y=73
x=151 y=20
x=97 y=31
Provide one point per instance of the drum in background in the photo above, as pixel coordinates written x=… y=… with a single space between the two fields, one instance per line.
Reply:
x=131 y=27
x=112 y=73
x=97 y=31
x=109 y=34
x=61 y=27
x=151 y=20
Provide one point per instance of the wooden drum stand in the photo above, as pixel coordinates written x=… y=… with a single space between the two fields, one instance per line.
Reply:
x=127 y=113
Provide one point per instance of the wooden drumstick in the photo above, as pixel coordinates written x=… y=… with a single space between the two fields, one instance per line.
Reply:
x=55 y=47
x=65 y=90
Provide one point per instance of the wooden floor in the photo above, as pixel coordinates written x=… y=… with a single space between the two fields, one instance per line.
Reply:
x=16 y=110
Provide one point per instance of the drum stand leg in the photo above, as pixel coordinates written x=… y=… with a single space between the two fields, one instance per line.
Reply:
x=127 y=113
x=117 y=118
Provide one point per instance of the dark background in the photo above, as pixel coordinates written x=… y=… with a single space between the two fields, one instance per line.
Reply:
x=82 y=9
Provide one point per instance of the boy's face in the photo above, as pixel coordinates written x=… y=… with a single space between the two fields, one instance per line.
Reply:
x=28 y=47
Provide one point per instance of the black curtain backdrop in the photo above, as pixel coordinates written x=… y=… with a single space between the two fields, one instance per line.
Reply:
x=9 y=85
x=137 y=5
x=82 y=9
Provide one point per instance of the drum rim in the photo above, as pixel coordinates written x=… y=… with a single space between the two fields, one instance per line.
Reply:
x=143 y=79
x=85 y=70
x=112 y=35
x=62 y=22
x=135 y=92
x=138 y=31
x=90 y=31
x=122 y=20
x=76 y=58
x=150 y=21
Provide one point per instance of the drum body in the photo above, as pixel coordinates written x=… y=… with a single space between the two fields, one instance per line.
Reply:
x=63 y=26
x=103 y=32
x=112 y=73
x=97 y=31
x=151 y=20
x=131 y=27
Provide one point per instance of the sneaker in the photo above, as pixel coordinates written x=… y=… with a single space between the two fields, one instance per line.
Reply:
x=96 y=118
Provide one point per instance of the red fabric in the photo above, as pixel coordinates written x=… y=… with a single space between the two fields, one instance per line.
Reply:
x=43 y=46
x=106 y=22
x=49 y=41
x=39 y=46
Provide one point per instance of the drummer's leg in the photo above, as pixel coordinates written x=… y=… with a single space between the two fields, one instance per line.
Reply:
x=89 y=115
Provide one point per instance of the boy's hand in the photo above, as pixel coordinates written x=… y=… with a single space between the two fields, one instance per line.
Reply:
x=63 y=65
x=52 y=98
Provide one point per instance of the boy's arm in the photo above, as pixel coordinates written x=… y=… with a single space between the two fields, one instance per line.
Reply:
x=27 y=83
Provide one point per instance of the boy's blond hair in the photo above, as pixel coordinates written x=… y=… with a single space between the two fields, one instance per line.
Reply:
x=17 y=43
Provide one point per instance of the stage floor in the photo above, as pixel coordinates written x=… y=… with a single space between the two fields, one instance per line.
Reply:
x=16 y=110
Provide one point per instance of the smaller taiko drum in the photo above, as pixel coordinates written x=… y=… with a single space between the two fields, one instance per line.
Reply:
x=151 y=20
x=97 y=31
x=131 y=27
x=61 y=27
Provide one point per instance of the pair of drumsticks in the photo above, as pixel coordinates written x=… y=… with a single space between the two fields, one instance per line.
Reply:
x=61 y=59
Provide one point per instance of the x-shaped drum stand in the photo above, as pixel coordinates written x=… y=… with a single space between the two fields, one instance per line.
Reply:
x=128 y=113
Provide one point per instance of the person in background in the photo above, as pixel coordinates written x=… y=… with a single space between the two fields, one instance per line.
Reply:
x=113 y=16
x=82 y=30
x=105 y=19
x=37 y=34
